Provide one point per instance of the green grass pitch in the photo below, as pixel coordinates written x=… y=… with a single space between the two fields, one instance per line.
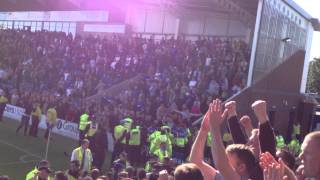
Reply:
x=19 y=154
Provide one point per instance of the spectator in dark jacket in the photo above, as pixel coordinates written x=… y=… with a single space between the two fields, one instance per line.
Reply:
x=26 y=116
x=100 y=144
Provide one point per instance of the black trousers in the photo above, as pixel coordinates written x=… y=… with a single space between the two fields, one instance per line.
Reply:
x=2 y=108
x=34 y=126
x=134 y=154
x=98 y=158
x=24 y=123
x=179 y=153
x=118 y=148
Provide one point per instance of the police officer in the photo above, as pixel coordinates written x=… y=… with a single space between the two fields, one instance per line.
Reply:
x=162 y=152
x=92 y=129
x=121 y=136
x=180 y=145
x=160 y=136
x=294 y=145
x=100 y=147
x=134 y=145
x=280 y=141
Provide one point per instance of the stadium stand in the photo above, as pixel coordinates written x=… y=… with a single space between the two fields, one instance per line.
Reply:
x=128 y=102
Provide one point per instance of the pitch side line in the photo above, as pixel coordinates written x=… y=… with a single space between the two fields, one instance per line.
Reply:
x=18 y=162
x=19 y=149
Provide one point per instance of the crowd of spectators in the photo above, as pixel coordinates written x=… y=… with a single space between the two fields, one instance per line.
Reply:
x=249 y=156
x=179 y=81
x=57 y=68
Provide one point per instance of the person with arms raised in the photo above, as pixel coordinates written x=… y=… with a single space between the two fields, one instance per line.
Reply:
x=237 y=162
x=196 y=154
x=310 y=157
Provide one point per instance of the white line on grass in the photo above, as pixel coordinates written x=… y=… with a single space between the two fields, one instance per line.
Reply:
x=26 y=156
x=20 y=149
x=18 y=162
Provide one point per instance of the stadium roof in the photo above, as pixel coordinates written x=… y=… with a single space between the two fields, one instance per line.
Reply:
x=302 y=12
x=64 y=5
x=249 y=5
x=35 y=5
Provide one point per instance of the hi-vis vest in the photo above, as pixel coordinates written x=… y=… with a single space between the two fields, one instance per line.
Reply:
x=280 y=141
x=78 y=154
x=294 y=146
x=70 y=177
x=84 y=118
x=118 y=131
x=153 y=136
x=51 y=116
x=296 y=129
x=182 y=141
x=92 y=130
x=162 y=154
x=162 y=138
x=148 y=167
x=3 y=100
x=227 y=137
x=31 y=175
x=209 y=139
x=135 y=137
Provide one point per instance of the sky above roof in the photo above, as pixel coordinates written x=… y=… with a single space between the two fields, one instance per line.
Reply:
x=312 y=7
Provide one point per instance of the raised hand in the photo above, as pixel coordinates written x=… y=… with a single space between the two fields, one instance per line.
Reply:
x=232 y=108
x=246 y=122
x=215 y=114
x=260 y=109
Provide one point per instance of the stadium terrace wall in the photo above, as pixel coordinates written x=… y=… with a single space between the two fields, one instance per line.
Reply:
x=280 y=88
x=157 y=20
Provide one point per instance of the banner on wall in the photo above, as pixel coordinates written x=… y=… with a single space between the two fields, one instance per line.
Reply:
x=74 y=16
x=62 y=127
x=105 y=28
